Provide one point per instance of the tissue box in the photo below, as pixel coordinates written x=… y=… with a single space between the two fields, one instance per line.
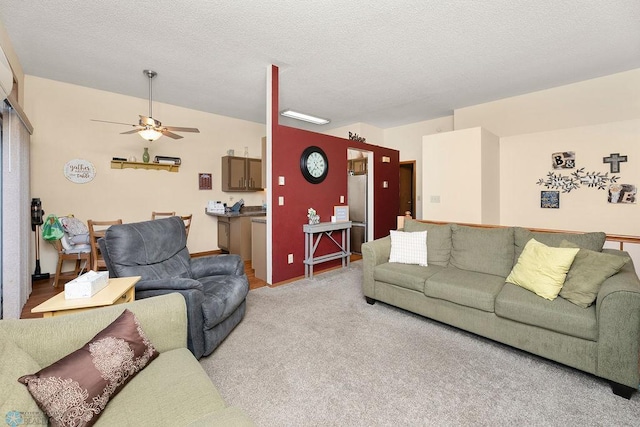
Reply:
x=86 y=285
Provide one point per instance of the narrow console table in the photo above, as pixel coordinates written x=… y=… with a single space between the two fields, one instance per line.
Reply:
x=313 y=234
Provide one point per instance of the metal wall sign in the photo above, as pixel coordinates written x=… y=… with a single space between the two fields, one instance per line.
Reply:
x=79 y=171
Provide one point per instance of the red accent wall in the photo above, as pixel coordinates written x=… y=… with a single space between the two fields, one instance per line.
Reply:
x=299 y=195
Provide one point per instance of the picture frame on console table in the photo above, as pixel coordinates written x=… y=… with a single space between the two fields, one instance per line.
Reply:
x=341 y=213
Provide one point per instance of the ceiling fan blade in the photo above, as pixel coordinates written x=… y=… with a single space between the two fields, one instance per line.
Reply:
x=115 y=123
x=165 y=132
x=179 y=129
x=138 y=129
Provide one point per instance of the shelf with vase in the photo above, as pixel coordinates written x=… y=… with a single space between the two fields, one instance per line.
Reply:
x=120 y=164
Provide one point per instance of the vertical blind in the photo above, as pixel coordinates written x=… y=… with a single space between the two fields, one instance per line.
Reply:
x=15 y=210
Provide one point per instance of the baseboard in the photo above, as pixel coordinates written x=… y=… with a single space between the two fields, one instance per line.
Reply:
x=205 y=253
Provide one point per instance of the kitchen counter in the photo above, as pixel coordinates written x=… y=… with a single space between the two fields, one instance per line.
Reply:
x=234 y=230
x=248 y=211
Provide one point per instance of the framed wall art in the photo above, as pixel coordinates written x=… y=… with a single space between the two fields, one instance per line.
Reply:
x=550 y=199
x=622 y=193
x=563 y=160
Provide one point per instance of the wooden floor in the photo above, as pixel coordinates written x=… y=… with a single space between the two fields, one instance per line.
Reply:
x=43 y=289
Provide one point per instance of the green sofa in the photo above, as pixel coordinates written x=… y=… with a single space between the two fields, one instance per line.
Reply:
x=172 y=390
x=464 y=286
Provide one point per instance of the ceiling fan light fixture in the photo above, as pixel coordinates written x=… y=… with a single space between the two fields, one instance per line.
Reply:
x=150 y=134
x=304 y=117
x=149 y=128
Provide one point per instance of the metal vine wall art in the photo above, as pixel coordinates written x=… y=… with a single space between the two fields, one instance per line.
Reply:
x=566 y=183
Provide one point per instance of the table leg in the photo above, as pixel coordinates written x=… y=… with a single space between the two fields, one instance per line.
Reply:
x=306 y=254
x=348 y=246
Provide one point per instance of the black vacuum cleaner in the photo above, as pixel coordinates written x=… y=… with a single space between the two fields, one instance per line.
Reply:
x=36 y=221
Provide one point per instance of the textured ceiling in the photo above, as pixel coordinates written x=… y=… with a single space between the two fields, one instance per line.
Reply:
x=381 y=62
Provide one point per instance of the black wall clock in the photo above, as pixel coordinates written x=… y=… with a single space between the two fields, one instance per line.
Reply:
x=314 y=164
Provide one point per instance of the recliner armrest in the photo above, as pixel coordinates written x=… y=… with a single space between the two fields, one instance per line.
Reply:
x=214 y=265
x=175 y=283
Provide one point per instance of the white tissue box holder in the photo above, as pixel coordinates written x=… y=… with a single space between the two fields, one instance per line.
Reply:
x=86 y=285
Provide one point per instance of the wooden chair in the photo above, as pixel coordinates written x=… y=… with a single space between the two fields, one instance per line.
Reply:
x=156 y=215
x=187 y=222
x=96 y=231
x=82 y=259
x=81 y=256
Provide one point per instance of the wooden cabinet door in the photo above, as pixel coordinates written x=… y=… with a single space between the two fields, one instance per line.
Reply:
x=254 y=172
x=359 y=166
x=234 y=173
x=223 y=234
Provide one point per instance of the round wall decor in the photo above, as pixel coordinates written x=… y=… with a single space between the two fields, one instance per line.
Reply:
x=314 y=164
x=79 y=171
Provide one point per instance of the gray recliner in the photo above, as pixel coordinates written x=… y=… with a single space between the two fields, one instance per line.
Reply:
x=215 y=287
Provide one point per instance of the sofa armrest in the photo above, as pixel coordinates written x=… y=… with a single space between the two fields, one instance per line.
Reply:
x=174 y=283
x=618 y=315
x=217 y=265
x=195 y=319
x=163 y=319
x=374 y=253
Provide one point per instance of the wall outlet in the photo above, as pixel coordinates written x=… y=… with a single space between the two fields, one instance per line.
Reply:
x=281 y=200
x=341 y=199
x=281 y=180
x=290 y=258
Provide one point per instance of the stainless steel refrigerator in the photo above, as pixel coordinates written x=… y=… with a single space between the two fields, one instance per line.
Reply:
x=357 y=199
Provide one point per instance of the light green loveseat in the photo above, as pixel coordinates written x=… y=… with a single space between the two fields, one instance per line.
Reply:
x=173 y=390
x=464 y=286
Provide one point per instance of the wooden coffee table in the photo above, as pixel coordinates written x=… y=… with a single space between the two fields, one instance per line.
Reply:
x=118 y=291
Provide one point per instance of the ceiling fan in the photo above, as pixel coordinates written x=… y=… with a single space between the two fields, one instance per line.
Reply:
x=148 y=127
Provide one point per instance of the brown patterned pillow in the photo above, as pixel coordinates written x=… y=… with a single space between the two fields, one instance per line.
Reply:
x=76 y=389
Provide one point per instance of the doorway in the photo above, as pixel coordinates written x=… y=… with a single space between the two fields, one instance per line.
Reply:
x=407 y=188
x=360 y=196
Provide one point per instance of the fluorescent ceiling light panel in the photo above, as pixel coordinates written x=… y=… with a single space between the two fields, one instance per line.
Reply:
x=305 y=117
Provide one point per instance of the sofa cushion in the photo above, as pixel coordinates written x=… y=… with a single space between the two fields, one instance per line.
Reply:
x=172 y=391
x=405 y=275
x=438 y=240
x=485 y=250
x=592 y=241
x=588 y=271
x=542 y=269
x=408 y=247
x=468 y=288
x=16 y=404
x=75 y=389
x=520 y=305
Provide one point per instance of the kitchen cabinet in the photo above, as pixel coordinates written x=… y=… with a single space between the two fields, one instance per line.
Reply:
x=357 y=166
x=259 y=247
x=241 y=174
x=224 y=231
x=234 y=235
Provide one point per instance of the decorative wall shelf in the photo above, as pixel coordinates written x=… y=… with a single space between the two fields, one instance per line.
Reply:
x=118 y=164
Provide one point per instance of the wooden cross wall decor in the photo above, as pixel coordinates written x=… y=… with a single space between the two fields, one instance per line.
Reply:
x=614 y=161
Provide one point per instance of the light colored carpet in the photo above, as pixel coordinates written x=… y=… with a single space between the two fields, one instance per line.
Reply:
x=314 y=353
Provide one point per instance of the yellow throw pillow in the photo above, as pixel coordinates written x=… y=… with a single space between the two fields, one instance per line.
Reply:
x=542 y=269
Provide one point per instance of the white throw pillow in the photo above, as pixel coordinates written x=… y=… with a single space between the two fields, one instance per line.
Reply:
x=409 y=248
